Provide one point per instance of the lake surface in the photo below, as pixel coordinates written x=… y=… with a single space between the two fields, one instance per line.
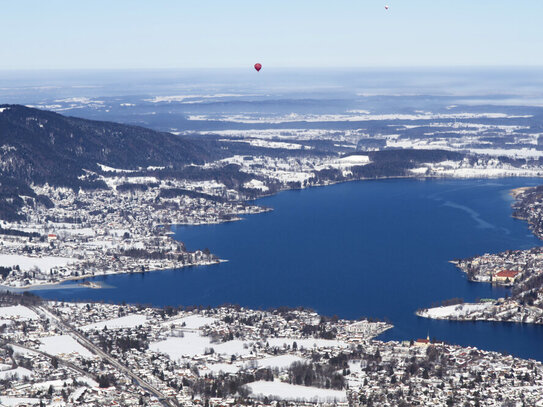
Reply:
x=375 y=248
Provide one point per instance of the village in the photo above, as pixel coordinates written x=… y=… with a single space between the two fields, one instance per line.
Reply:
x=521 y=270
x=90 y=233
x=68 y=354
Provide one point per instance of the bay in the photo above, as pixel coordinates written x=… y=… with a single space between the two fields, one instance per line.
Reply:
x=377 y=249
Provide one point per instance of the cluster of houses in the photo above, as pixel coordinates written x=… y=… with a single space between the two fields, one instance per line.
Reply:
x=519 y=269
x=529 y=206
x=186 y=355
x=43 y=365
x=89 y=233
x=135 y=336
x=507 y=268
x=442 y=375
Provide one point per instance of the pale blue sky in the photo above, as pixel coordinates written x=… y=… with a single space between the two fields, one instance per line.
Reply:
x=117 y=34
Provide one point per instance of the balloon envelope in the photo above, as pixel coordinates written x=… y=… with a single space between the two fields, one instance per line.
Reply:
x=386 y=7
x=258 y=67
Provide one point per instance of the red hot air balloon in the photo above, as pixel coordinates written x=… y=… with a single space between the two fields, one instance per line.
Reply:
x=258 y=67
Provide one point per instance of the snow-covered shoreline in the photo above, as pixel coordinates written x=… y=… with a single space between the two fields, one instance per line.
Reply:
x=58 y=284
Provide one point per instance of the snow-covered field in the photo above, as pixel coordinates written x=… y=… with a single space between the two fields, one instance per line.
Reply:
x=192 y=321
x=345 y=163
x=355 y=159
x=111 y=169
x=18 y=401
x=306 y=343
x=45 y=264
x=22 y=351
x=352 y=117
x=509 y=152
x=129 y=321
x=62 y=383
x=62 y=345
x=19 y=372
x=255 y=184
x=280 y=362
x=17 y=312
x=193 y=344
x=453 y=311
x=489 y=172
x=268 y=144
x=285 y=391
x=393 y=141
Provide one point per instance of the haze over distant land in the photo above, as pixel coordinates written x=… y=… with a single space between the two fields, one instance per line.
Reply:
x=495 y=85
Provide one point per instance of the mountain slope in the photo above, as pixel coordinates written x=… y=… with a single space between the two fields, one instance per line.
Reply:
x=40 y=146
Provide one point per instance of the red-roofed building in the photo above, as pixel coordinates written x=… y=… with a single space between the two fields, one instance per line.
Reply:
x=423 y=342
x=505 y=276
x=51 y=236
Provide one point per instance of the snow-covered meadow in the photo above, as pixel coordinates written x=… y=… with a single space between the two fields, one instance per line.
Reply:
x=19 y=312
x=27 y=263
x=128 y=321
x=286 y=391
x=63 y=345
x=454 y=311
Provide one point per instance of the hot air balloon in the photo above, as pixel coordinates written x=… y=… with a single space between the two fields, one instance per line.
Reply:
x=258 y=67
x=386 y=7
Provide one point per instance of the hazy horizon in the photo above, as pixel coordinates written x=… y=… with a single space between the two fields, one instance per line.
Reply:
x=31 y=86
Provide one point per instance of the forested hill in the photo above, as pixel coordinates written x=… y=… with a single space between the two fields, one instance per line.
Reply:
x=38 y=147
x=41 y=146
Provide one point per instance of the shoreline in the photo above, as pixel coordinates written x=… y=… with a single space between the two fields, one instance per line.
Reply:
x=420 y=314
x=517 y=191
x=45 y=286
x=454 y=312
x=416 y=177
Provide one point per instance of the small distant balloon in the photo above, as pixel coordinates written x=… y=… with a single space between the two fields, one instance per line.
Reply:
x=258 y=67
x=386 y=7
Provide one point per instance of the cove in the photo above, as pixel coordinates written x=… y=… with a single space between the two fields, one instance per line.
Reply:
x=377 y=249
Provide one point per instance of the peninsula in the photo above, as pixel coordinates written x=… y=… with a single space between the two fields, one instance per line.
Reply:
x=522 y=270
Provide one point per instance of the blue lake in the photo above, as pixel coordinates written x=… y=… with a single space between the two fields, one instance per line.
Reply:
x=375 y=248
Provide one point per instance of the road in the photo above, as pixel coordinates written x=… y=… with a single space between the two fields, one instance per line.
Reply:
x=169 y=402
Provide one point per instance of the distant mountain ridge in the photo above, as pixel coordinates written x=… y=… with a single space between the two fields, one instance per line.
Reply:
x=38 y=146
